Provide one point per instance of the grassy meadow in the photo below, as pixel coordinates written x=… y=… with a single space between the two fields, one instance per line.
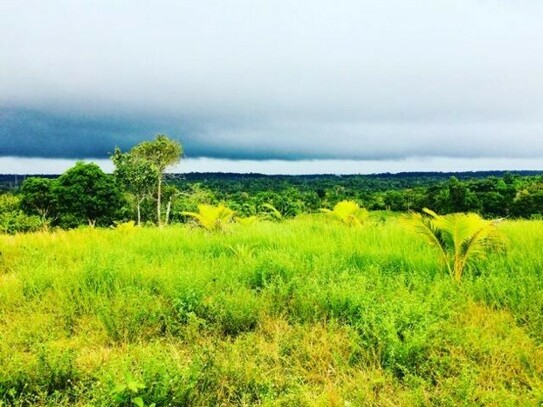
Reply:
x=306 y=312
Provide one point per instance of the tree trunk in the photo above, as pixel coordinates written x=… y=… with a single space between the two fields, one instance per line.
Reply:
x=168 y=210
x=139 y=211
x=159 y=193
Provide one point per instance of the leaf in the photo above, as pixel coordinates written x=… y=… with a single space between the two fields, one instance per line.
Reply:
x=119 y=389
x=138 y=401
x=135 y=386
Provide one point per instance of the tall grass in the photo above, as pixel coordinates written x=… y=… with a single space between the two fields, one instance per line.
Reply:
x=303 y=312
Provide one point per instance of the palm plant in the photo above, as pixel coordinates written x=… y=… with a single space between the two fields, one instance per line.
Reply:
x=348 y=212
x=461 y=238
x=212 y=218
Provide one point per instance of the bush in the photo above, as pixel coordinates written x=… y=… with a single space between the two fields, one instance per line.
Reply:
x=13 y=219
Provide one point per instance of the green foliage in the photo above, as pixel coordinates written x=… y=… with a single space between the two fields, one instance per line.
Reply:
x=348 y=212
x=460 y=238
x=281 y=197
x=37 y=196
x=272 y=213
x=212 y=218
x=248 y=220
x=160 y=154
x=85 y=193
x=488 y=194
x=302 y=312
x=9 y=203
x=128 y=392
x=126 y=227
x=14 y=220
x=136 y=175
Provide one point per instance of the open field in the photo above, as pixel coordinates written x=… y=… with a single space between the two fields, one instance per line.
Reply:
x=304 y=312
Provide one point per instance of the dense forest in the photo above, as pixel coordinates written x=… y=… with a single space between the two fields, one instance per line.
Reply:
x=141 y=191
x=29 y=202
x=492 y=194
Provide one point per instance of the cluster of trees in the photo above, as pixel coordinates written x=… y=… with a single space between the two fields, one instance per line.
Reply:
x=140 y=172
x=85 y=194
x=491 y=195
x=137 y=190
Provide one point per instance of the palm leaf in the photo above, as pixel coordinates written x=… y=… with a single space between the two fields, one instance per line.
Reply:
x=461 y=238
x=348 y=212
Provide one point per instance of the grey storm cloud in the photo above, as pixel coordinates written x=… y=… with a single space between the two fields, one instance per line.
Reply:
x=273 y=79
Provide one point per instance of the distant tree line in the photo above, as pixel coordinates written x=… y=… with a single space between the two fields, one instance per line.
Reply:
x=492 y=196
x=140 y=190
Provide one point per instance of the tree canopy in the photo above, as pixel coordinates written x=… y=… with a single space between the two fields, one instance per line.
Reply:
x=86 y=193
x=162 y=152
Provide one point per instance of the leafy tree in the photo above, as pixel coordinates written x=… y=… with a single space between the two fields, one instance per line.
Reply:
x=494 y=204
x=460 y=238
x=461 y=198
x=138 y=176
x=162 y=153
x=86 y=194
x=37 y=197
x=527 y=204
x=395 y=200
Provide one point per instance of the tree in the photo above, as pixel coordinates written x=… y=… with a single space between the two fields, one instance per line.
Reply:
x=170 y=194
x=162 y=152
x=37 y=197
x=460 y=197
x=528 y=204
x=460 y=238
x=136 y=175
x=86 y=194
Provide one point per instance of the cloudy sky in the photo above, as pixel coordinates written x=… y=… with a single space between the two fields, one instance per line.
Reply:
x=283 y=86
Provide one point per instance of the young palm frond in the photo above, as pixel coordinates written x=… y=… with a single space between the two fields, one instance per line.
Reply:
x=348 y=212
x=242 y=251
x=212 y=218
x=461 y=239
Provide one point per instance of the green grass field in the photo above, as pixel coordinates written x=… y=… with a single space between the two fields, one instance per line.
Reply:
x=306 y=312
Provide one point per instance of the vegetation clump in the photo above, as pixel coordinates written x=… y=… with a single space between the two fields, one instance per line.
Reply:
x=348 y=212
x=212 y=218
x=461 y=239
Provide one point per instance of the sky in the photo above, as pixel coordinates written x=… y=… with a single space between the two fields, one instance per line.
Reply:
x=274 y=86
